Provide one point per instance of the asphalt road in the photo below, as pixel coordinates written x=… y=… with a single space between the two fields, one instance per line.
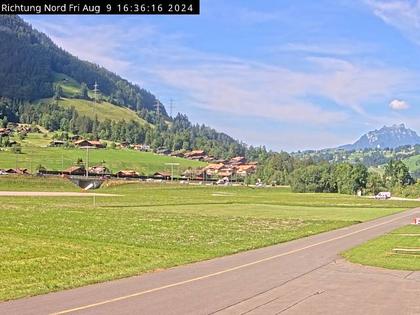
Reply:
x=305 y=276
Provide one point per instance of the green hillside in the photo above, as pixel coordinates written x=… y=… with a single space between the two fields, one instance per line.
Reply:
x=71 y=88
x=35 y=153
x=102 y=111
x=413 y=164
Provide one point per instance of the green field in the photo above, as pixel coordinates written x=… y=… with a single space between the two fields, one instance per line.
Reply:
x=49 y=244
x=379 y=252
x=35 y=152
x=413 y=163
x=70 y=87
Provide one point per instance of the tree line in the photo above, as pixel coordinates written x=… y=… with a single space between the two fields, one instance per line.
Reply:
x=309 y=175
x=178 y=134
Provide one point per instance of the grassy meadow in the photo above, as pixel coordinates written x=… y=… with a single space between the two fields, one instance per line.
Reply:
x=413 y=163
x=379 y=252
x=35 y=152
x=50 y=244
x=102 y=111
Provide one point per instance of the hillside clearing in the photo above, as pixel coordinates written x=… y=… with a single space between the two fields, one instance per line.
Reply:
x=102 y=110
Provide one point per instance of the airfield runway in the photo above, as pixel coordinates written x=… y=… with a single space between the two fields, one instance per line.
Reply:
x=305 y=276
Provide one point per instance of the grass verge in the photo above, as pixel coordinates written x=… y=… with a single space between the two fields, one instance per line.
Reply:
x=380 y=251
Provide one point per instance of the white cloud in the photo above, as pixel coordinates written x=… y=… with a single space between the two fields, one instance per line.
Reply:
x=403 y=15
x=399 y=105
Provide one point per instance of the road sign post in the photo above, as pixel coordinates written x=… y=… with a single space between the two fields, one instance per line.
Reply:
x=172 y=169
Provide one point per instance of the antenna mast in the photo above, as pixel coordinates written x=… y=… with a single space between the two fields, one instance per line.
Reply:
x=95 y=92
x=157 y=105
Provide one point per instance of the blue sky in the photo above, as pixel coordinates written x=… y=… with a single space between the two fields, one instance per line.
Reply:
x=290 y=75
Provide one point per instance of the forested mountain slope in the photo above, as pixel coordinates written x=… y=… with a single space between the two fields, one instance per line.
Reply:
x=29 y=62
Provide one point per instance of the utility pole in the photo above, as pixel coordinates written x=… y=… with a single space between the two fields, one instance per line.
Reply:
x=87 y=161
x=172 y=169
x=157 y=105
x=95 y=92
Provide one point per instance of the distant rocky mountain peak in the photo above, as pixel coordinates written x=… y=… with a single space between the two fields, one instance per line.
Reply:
x=387 y=137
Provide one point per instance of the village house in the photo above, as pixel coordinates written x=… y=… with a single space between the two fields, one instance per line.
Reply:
x=197 y=174
x=57 y=143
x=17 y=171
x=89 y=143
x=99 y=170
x=219 y=161
x=209 y=159
x=213 y=169
x=24 y=128
x=195 y=155
x=239 y=160
x=123 y=145
x=246 y=169
x=75 y=138
x=5 y=132
x=225 y=173
x=82 y=143
x=179 y=153
x=127 y=174
x=75 y=170
x=162 y=175
x=163 y=151
x=141 y=147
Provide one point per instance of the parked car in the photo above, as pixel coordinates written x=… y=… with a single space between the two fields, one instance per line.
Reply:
x=383 y=195
x=259 y=184
x=223 y=181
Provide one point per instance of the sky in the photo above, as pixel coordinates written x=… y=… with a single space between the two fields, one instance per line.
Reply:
x=290 y=75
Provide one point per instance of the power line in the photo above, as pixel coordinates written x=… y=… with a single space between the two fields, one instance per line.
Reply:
x=157 y=105
x=95 y=91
